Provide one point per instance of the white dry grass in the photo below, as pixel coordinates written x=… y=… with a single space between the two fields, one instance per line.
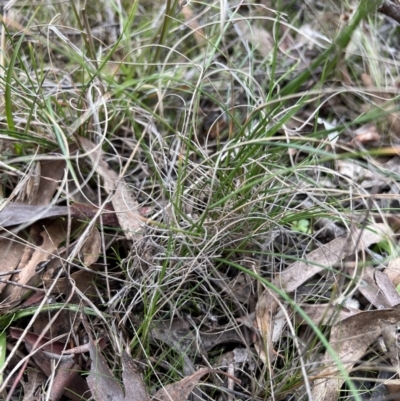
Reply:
x=234 y=128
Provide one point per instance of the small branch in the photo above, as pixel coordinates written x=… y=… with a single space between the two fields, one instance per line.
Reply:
x=390 y=9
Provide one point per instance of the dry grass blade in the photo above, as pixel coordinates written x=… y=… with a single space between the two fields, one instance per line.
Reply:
x=251 y=133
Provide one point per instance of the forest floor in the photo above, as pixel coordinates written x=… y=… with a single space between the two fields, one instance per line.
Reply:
x=199 y=201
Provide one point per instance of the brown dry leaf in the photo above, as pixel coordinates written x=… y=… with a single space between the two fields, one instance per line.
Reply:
x=370 y=290
x=258 y=37
x=42 y=181
x=51 y=238
x=60 y=322
x=393 y=271
x=87 y=212
x=392 y=221
x=177 y=335
x=180 y=390
x=298 y=273
x=52 y=172
x=242 y=287
x=390 y=344
x=67 y=379
x=327 y=256
x=92 y=247
x=83 y=281
x=193 y=23
x=27 y=188
x=33 y=299
x=326 y=315
x=393 y=387
x=266 y=309
x=67 y=374
x=390 y=8
x=35 y=380
x=125 y=205
x=350 y=340
x=32 y=339
x=133 y=382
x=365 y=135
x=101 y=381
x=354 y=171
x=377 y=288
x=394 y=121
x=11 y=254
x=223 y=335
x=19 y=213
x=387 y=288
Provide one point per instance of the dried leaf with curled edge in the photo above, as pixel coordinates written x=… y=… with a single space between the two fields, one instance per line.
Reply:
x=51 y=238
x=350 y=340
x=125 y=205
x=298 y=273
x=325 y=257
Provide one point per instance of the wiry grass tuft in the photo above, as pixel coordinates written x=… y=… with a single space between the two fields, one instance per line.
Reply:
x=235 y=128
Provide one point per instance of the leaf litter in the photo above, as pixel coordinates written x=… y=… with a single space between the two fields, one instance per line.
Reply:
x=132 y=284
